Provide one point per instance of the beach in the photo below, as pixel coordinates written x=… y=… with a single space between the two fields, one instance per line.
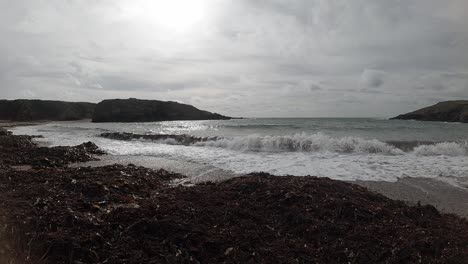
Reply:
x=446 y=197
x=217 y=131
x=57 y=212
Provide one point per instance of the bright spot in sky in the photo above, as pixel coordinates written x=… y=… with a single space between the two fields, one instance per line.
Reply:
x=178 y=16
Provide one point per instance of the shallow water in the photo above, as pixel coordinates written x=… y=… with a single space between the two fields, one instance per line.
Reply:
x=339 y=148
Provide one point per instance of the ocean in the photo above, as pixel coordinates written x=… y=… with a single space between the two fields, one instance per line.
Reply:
x=339 y=148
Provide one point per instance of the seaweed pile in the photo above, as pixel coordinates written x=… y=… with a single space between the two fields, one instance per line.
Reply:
x=22 y=150
x=130 y=214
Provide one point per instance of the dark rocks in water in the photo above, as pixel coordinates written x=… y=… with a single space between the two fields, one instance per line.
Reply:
x=180 y=139
x=4 y=132
x=33 y=110
x=449 y=111
x=136 y=110
x=22 y=150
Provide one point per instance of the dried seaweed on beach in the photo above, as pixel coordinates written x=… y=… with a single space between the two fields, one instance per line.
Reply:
x=130 y=214
x=22 y=150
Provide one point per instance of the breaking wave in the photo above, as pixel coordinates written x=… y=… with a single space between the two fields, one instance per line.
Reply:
x=260 y=126
x=444 y=148
x=303 y=142
x=323 y=143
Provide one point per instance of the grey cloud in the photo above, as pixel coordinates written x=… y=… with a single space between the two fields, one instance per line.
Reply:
x=314 y=87
x=304 y=56
x=124 y=83
x=372 y=78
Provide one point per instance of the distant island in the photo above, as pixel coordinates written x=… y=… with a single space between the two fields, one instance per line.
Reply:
x=35 y=110
x=114 y=110
x=448 y=111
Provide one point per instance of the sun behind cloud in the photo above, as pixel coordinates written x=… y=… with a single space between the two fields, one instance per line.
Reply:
x=178 y=16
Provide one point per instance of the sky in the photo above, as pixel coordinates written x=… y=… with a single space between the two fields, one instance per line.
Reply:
x=251 y=58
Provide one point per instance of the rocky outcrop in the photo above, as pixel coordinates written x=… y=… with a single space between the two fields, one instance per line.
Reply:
x=136 y=110
x=449 y=111
x=22 y=150
x=33 y=110
x=176 y=139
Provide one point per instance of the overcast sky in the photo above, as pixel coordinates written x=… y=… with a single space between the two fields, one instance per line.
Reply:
x=262 y=58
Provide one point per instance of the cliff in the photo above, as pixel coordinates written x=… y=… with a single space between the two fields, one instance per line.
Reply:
x=33 y=110
x=136 y=110
x=449 y=111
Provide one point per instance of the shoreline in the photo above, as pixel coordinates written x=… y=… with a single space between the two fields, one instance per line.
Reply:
x=10 y=124
x=442 y=195
x=52 y=212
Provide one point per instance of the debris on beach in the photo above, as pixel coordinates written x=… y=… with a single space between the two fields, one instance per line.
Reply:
x=130 y=214
x=22 y=150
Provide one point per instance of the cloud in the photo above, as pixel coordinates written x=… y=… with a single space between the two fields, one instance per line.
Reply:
x=305 y=57
x=372 y=78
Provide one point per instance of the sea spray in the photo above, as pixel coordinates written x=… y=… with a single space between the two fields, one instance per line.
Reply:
x=345 y=149
x=303 y=142
x=444 y=148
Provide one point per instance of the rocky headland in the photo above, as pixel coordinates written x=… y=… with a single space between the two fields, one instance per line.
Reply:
x=112 y=110
x=36 y=110
x=137 y=110
x=449 y=111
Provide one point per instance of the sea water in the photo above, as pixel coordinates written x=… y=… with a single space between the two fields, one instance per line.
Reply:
x=338 y=148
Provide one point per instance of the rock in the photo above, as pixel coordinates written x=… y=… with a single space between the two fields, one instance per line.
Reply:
x=21 y=150
x=180 y=139
x=4 y=132
x=32 y=110
x=448 y=111
x=136 y=110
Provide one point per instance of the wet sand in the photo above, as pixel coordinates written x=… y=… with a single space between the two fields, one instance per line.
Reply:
x=444 y=196
x=195 y=172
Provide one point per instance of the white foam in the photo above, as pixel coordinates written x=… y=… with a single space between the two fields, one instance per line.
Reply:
x=304 y=143
x=339 y=166
x=445 y=148
x=347 y=158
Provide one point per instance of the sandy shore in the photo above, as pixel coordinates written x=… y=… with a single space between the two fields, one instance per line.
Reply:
x=51 y=212
x=196 y=173
x=445 y=197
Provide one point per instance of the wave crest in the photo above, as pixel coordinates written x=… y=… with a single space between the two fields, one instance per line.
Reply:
x=303 y=142
x=443 y=148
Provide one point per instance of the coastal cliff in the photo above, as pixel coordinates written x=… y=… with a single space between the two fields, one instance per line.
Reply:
x=33 y=110
x=137 y=110
x=448 y=111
